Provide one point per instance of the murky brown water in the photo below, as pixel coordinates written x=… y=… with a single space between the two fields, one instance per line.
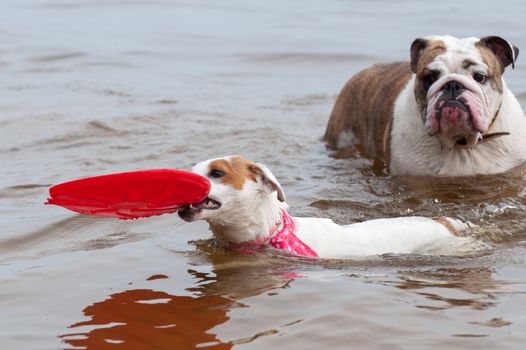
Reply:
x=92 y=87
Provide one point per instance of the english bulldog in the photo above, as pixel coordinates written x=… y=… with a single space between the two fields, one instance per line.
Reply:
x=447 y=112
x=246 y=210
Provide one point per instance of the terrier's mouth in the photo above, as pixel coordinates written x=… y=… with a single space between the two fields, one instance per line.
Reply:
x=208 y=204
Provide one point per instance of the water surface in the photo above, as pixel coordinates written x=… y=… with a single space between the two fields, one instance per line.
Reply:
x=92 y=87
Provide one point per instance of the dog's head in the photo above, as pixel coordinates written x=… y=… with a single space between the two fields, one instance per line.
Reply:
x=458 y=85
x=242 y=194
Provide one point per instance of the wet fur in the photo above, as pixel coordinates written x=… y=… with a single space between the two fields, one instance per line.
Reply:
x=250 y=212
x=383 y=110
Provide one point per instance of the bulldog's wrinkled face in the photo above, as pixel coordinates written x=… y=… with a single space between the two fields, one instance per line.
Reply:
x=237 y=188
x=458 y=85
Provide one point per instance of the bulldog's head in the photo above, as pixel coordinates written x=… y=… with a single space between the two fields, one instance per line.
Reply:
x=458 y=86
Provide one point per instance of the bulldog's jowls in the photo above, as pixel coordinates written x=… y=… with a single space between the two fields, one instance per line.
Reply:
x=246 y=208
x=447 y=112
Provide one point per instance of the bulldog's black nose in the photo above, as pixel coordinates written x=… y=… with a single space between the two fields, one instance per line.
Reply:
x=453 y=88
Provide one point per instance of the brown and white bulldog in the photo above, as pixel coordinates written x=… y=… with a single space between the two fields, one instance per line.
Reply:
x=447 y=112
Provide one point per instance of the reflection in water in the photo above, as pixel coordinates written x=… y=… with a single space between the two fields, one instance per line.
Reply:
x=157 y=90
x=453 y=287
x=463 y=190
x=149 y=319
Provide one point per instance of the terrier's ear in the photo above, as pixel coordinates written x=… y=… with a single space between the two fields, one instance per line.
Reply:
x=506 y=52
x=267 y=179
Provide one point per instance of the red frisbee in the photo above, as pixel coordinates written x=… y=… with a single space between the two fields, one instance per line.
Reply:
x=131 y=195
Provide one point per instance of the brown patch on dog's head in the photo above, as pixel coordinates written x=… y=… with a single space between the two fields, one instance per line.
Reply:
x=495 y=69
x=423 y=52
x=505 y=52
x=234 y=172
x=497 y=54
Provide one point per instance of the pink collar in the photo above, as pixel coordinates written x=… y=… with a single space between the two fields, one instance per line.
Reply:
x=283 y=237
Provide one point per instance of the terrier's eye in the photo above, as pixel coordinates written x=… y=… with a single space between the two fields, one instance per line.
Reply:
x=480 y=78
x=216 y=173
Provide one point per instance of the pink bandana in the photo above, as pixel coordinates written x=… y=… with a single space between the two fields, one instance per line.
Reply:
x=285 y=239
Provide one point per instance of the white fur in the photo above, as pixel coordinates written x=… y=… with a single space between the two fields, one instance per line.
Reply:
x=402 y=235
x=251 y=213
x=414 y=152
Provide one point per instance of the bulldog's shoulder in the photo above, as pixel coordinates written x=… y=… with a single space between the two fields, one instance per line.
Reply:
x=364 y=107
x=381 y=72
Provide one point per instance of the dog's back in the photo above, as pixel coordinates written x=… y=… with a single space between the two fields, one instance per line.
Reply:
x=363 y=111
x=403 y=235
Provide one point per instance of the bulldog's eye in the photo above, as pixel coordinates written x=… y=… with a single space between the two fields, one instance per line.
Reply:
x=216 y=173
x=429 y=78
x=480 y=78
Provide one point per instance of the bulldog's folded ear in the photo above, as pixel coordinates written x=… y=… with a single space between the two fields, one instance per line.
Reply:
x=506 y=53
x=417 y=47
x=268 y=180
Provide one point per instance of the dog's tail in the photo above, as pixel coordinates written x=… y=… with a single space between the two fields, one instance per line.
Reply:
x=455 y=226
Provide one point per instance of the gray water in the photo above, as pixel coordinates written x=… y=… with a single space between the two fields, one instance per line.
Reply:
x=93 y=87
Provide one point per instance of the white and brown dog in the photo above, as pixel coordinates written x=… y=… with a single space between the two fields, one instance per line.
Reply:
x=447 y=112
x=246 y=204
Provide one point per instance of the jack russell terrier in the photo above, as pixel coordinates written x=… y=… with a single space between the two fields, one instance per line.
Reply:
x=246 y=204
x=447 y=112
